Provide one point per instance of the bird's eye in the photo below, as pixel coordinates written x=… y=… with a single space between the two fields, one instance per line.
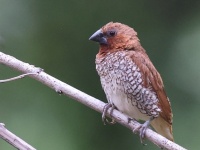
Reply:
x=112 y=33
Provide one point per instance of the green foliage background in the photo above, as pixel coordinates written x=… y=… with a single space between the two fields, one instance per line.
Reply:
x=54 y=36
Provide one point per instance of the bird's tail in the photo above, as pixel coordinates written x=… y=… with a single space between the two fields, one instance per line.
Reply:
x=163 y=128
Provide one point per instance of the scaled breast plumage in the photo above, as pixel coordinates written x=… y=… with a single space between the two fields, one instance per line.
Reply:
x=120 y=73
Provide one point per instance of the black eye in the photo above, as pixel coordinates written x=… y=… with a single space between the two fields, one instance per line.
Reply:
x=112 y=33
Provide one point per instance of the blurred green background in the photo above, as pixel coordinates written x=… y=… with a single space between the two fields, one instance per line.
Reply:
x=54 y=36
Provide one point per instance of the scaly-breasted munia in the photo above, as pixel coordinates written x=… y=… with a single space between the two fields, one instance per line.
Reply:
x=130 y=81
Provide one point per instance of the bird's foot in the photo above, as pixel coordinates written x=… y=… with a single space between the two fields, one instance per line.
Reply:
x=142 y=129
x=105 y=109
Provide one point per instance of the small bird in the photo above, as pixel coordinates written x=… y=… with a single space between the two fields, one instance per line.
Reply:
x=129 y=79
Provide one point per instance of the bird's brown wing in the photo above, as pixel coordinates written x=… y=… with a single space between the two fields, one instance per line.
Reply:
x=152 y=78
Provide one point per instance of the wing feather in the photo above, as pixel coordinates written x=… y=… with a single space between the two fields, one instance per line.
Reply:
x=152 y=79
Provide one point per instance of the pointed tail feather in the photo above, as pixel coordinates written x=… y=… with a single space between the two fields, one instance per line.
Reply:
x=163 y=128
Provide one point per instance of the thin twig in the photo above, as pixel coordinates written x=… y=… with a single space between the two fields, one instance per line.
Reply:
x=13 y=139
x=17 y=77
x=86 y=99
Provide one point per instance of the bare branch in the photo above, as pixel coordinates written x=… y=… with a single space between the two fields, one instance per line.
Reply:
x=17 y=77
x=85 y=99
x=13 y=139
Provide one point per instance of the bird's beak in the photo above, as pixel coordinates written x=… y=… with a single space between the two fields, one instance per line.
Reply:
x=98 y=36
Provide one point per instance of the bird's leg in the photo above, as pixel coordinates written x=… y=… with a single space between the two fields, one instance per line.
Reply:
x=142 y=129
x=105 y=109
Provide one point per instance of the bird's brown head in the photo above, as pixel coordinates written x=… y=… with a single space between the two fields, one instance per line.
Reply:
x=116 y=37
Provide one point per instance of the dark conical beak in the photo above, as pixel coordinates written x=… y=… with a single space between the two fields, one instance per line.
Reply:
x=99 y=37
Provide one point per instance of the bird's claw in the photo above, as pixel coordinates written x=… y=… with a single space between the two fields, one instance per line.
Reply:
x=105 y=109
x=142 y=130
x=110 y=122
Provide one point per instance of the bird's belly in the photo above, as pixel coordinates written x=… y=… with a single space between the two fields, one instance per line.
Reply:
x=123 y=103
x=123 y=83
